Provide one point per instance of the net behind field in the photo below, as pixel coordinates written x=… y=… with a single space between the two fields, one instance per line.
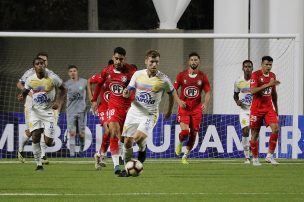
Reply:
x=221 y=60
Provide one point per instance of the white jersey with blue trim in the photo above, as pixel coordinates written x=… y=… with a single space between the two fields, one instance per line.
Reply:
x=149 y=90
x=43 y=89
x=242 y=87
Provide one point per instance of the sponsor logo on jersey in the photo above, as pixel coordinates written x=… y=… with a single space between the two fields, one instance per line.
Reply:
x=106 y=96
x=191 y=92
x=116 y=89
x=75 y=96
x=42 y=99
x=145 y=98
x=124 y=79
x=199 y=82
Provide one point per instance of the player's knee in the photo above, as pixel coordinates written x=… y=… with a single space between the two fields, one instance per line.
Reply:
x=28 y=133
x=246 y=132
x=72 y=133
x=275 y=129
x=49 y=141
x=128 y=142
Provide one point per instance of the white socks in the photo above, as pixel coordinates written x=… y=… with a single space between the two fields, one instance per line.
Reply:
x=246 y=145
x=72 y=141
x=37 y=153
x=24 y=140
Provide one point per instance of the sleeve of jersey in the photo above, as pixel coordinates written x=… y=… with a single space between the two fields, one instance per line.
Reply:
x=176 y=82
x=170 y=87
x=253 y=81
x=24 y=77
x=131 y=85
x=96 y=78
x=236 y=88
x=207 y=86
x=56 y=79
x=27 y=85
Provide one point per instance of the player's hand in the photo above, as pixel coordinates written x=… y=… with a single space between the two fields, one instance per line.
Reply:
x=94 y=106
x=126 y=93
x=273 y=82
x=168 y=114
x=20 y=97
x=204 y=107
x=55 y=106
x=182 y=104
x=239 y=103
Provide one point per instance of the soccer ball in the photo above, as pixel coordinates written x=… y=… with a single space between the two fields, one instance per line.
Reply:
x=134 y=167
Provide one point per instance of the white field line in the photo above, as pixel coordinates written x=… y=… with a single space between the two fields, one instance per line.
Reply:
x=146 y=194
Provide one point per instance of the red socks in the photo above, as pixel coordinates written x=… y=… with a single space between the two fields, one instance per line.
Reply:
x=114 y=148
x=254 y=145
x=105 y=143
x=272 y=143
x=183 y=135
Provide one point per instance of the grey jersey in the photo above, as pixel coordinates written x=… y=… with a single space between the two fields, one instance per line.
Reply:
x=76 y=96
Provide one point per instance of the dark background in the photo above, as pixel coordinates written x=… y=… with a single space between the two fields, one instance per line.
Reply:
x=42 y=15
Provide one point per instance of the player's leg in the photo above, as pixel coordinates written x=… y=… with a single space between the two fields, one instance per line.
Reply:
x=244 y=121
x=272 y=120
x=81 y=127
x=25 y=137
x=36 y=137
x=104 y=146
x=71 y=126
x=184 y=121
x=114 y=145
x=141 y=140
x=256 y=120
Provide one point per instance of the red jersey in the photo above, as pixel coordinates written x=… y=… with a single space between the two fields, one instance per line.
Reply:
x=104 y=91
x=191 y=88
x=117 y=81
x=262 y=99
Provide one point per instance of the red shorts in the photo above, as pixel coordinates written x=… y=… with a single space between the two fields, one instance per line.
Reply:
x=257 y=117
x=117 y=115
x=192 y=118
x=102 y=114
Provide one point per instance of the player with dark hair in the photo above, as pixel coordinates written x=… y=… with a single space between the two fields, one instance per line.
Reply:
x=243 y=97
x=45 y=100
x=192 y=82
x=264 y=107
x=118 y=76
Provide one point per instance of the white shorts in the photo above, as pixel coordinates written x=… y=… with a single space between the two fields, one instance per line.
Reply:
x=244 y=118
x=44 y=119
x=138 y=120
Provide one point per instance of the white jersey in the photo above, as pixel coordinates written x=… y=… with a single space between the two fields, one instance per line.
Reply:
x=25 y=76
x=242 y=87
x=149 y=90
x=43 y=90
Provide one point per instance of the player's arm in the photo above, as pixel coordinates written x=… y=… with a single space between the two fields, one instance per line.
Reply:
x=170 y=104
x=255 y=89
x=207 y=90
x=176 y=85
x=275 y=100
x=236 y=95
x=60 y=97
x=131 y=86
x=21 y=96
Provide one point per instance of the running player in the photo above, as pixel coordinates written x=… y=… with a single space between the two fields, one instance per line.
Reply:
x=102 y=109
x=27 y=106
x=76 y=108
x=264 y=107
x=192 y=82
x=149 y=85
x=118 y=75
x=42 y=117
x=243 y=97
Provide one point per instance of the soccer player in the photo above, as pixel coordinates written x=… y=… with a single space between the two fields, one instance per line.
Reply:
x=102 y=109
x=27 y=107
x=243 y=97
x=76 y=108
x=192 y=82
x=149 y=85
x=264 y=106
x=118 y=75
x=42 y=117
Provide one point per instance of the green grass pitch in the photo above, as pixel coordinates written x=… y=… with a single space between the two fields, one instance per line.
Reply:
x=162 y=180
